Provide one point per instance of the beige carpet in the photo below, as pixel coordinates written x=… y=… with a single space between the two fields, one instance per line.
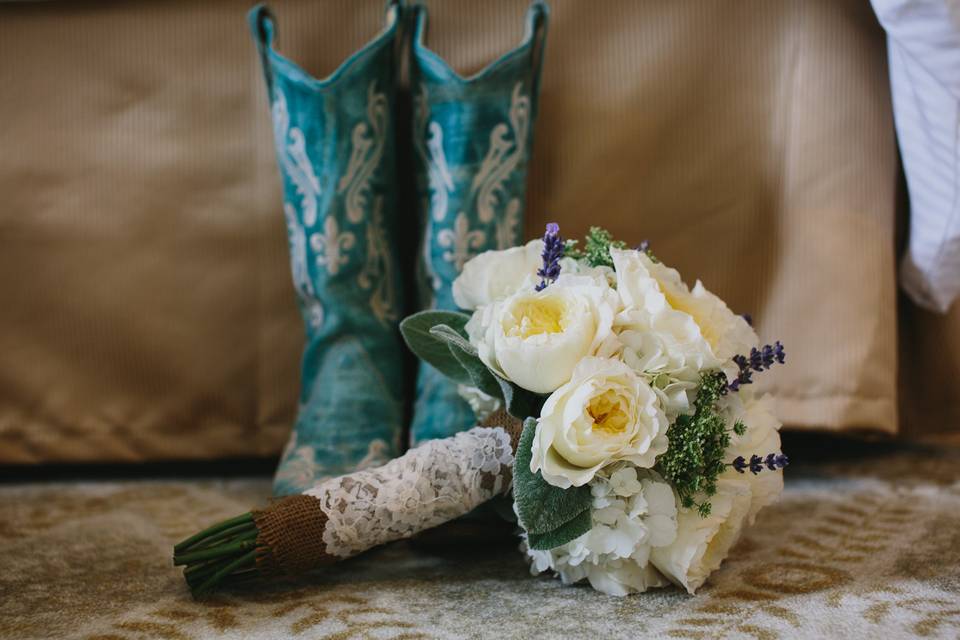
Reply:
x=865 y=546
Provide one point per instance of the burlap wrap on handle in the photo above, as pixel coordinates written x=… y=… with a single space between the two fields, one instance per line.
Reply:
x=513 y=426
x=291 y=536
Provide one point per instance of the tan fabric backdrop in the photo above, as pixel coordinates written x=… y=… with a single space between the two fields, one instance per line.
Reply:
x=146 y=310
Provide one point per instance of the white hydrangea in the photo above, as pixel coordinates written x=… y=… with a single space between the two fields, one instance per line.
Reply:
x=633 y=511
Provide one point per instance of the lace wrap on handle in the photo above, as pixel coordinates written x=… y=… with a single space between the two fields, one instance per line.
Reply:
x=432 y=484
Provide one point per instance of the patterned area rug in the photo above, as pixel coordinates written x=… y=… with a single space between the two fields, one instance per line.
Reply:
x=860 y=546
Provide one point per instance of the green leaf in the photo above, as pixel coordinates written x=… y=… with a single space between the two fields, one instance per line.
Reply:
x=466 y=354
x=453 y=338
x=561 y=535
x=433 y=349
x=480 y=376
x=543 y=508
x=519 y=402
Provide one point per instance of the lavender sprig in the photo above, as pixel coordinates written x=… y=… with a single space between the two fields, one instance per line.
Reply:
x=759 y=360
x=773 y=461
x=553 y=247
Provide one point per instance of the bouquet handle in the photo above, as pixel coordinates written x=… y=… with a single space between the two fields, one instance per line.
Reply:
x=338 y=518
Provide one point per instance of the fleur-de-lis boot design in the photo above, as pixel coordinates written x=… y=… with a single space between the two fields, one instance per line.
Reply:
x=336 y=150
x=472 y=139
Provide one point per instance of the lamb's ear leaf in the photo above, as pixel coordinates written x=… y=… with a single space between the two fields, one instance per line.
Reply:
x=466 y=354
x=432 y=349
x=481 y=377
x=561 y=535
x=519 y=402
x=541 y=507
x=453 y=338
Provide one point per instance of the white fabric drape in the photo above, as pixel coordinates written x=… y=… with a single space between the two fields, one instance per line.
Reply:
x=923 y=44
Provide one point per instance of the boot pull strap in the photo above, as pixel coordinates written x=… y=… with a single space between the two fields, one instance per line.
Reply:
x=395 y=15
x=538 y=17
x=261 y=22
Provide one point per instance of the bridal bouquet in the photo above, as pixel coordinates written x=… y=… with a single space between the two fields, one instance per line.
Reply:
x=614 y=404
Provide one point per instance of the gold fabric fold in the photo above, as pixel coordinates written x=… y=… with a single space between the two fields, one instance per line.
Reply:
x=146 y=310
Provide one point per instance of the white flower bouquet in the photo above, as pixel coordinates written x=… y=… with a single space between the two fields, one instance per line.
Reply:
x=614 y=404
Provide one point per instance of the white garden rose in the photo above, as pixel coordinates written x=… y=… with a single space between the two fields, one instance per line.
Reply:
x=761 y=438
x=494 y=275
x=536 y=338
x=604 y=414
x=703 y=543
x=722 y=333
x=632 y=513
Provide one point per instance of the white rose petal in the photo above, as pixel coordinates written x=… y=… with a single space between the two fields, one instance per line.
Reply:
x=536 y=338
x=762 y=437
x=668 y=328
x=606 y=413
x=495 y=275
x=703 y=543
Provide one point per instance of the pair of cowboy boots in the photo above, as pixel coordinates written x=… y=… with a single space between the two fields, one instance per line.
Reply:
x=336 y=147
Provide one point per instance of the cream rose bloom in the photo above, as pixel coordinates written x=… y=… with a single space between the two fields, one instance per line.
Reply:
x=761 y=438
x=494 y=275
x=703 y=543
x=536 y=338
x=697 y=328
x=604 y=414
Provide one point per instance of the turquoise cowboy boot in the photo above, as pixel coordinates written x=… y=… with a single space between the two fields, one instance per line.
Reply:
x=336 y=150
x=472 y=139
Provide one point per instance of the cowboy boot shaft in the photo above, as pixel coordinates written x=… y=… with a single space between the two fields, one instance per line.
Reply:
x=472 y=139
x=335 y=146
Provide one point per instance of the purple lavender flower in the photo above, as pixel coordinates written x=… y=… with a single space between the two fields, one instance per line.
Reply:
x=776 y=461
x=773 y=462
x=552 y=252
x=644 y=246
x=748 y=318
x=759 y=360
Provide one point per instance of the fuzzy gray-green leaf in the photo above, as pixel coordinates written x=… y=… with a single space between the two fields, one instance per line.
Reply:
x=519 y=402
x=433 y=349
x=563 y=534
x=543 y=508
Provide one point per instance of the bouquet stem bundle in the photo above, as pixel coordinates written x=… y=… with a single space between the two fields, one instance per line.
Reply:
x=345 y=516
x=225 y=553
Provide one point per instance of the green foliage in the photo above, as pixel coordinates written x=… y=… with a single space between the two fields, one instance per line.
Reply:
x=453 y=338
x=432 y=344
x=480 y=376
x=551 y=516
x=570 y=530
x=439 y=338
x=519 y=402
x=596 y=250
x=698 y=443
